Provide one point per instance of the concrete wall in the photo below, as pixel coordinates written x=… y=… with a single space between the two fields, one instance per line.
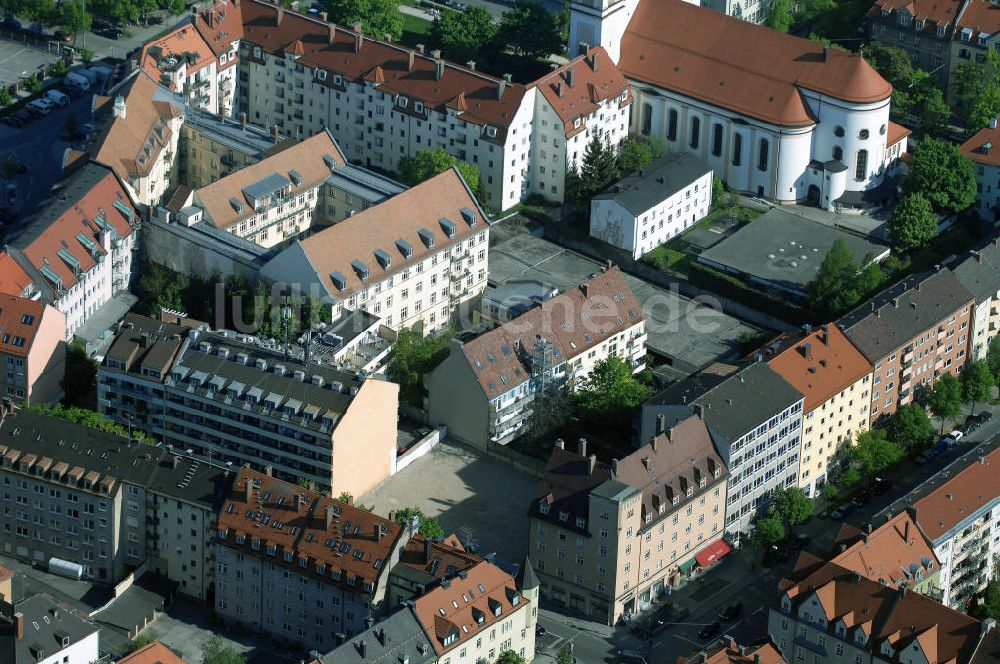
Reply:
x=456 y=400
x=426 y=444
x=201 y=252
x=364 y=442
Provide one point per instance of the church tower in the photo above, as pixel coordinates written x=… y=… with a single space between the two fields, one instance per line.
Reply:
x=599 y=23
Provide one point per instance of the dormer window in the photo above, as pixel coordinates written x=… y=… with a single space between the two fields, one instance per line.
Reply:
x=580 y=522
x=491 y=131
x=918 y=24
x=577 y=122
x=402 y=101
x=321 y=74
x=256 y=51
x=563 y=516
x=543 y=508
x=418 y=106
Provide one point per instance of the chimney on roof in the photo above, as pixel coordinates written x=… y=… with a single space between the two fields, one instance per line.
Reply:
x=979 y=257
x=409 y=61
x=652 y=443
x=248 y=491
x=357 y=36
x=174 y=461
x=471 y=64
x=280 y=15
x=323 y=15
x=581 y=447
x=699 y=410
x=363 y=647
x=269 y=471
x=559 y=89
x=591 y=464
x=119 y=109
x=585 y=289
x=331 y=30
x=614 y=467
x=420 y=49
x=381 y=636
x=993 y=122
x=582 y=48
x=661 y=422
x=311 y=485
x=895 y=303
x=428 y=548
x=243 y=121
x=378 y=532
x=275 y=133
x=19 y=625
x=328 y=513
x=593 y=60
x=438 y=65
x=569 y=76
x=502 y=86
x=825 y=336
x=906 y=530
x=826 y=52
x=560 y=444
x=806 y=350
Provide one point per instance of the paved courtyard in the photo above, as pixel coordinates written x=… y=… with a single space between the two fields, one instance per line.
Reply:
x=18 y=60
x=464 y=490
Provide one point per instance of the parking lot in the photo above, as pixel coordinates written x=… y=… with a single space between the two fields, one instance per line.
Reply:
x=18 y=61
x=464 y=491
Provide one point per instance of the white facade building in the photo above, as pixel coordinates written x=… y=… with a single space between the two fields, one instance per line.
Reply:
x=650 y=207
x=984 y=149
x=37 y=630
x=979 y=272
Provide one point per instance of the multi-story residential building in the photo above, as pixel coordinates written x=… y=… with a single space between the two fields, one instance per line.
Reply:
x=794 y=121
x=835 y=379
x=73 y=493
x=154 y=653
x=648 y=208
x=960 y=517
x=924 y=29
x=272 y=200
x=487 y=388
x=831 y=615
x=979 y=272
x=300 y=565
x=727 y=651
x=479 y=614
x=896 y=554
x=396 y=638
x=247 y=403
x=220 y=23
x=140 y=124
x=424 y=563
x=418 y=260
x=583 y=99
x=976 y=33
x=78 y=248
x=607 y=540
x=183 y=500
x=32 y=350
x=39 y=630
x=212 y=147
x=911 y=332
x=984 y=149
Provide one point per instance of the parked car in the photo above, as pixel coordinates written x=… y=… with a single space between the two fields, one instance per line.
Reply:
x=731 y=612
x=971 y=425
x=985 y=416
x=14 y=120
x=62 y=36
x=841 y=512
x=40 y=106
x=956 y=435
x=58 y=98
x=112 y=33
x=710 y=630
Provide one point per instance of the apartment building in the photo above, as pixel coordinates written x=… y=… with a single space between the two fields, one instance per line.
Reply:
x=73 y=493
x=835 y=379
x=397 y=637
x=40 y=630
x=479 y=614
x=418 y=260
x=794 y=121
x=979 y=272
x=32 y=349
x=486 y=389
x=219 y=22
x=585 y=98
x=980 y=149
x=139 y=126
x=299 y=565
x=648 y=208
x=425 y=562
x=244 y=402
x=911 y=332
x=924 y=29
x=183 y=501
x=895 y=554
x=213 y=146
x=608 y=539
x=961 y=518
x=154 y=653
x=272 y=200
x=831 y=615
x=727 y=651
x=78 y=247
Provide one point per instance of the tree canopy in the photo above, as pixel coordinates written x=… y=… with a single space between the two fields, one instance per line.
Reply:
x=791 y=505
x=977 y=92
x=530 y=30
x=214 y=651
x=993 y=358
x=767 y=532
x=425 y=164
x=377 y=17
x=598 y=169
x=509 y=657
x=913 y=223
x=945 y=398
x=977 y=383
x=892 y=62
x=412 y=357
x=463 y=36
x=611 y=393
x=840 y=283
x=941 y=173
x=874 y=452
x=429 y=525
x=910 y=427
x=633 y=155
x=79 y=376
x=781 y=15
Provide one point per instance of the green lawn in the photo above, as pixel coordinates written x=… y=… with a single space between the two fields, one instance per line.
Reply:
x=415 y=30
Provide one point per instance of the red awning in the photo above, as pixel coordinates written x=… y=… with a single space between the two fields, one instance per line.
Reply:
x=712 y=553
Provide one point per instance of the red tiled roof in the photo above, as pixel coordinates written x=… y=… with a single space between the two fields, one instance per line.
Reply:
x=892 y=554
x=573 y=322
x=444 y=560
x=340 y=544
x=896 y=133
x=182 y=43
x=13 y=279
x=727 y=651
x=220 y=24
x=594 y=78
x=956 y=499
x=154 y=653
x=984 y=147
x=932 y=12
x=406 y=72
x=20 y=319
x=464 y=608
x=736 y=65
x=981 y=16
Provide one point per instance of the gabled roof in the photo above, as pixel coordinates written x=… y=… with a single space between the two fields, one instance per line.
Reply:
x=582 y=85
x=572 y=322
x=154 y=653
x=895 y=554
x=980 y=16
x=893 y=317
x=220 y=24
x=957 y=499
x=984 y=147
x=397 y=638
x=13 y=279
x=436 y=560
x=736 y=65
x=20 y=320
x=655 y=183
x=934 y=13
x=979 y=271
x=183 y=45
x=48 y=625
x=746 y=399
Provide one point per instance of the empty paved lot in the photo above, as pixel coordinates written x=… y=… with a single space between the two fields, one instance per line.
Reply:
x=17 y=60
x=464 y=490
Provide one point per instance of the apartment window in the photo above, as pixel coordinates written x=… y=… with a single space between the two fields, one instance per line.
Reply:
x=717 y=140
x=695 y=131
x=672 y=125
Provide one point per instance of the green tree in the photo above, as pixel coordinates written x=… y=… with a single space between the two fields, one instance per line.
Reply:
x=214 y=651
x=598 y=169
x=425 y=164
x=463 y=36
x=378 y=18
x=87 y=418
x=922 y=98
x=346 y=497
x=993 y=358
x=976 y=92
x=633 y=155
x=840 y=283
x=530 y=30
x=987 y=604
x=791 y=506
x=429 y=525
x=412 y=357
x=510 y=657
x=892 y=62
x=80 y=375
x=610 y=393
x=946 y=398
x=42 y=11
x=780 y=17
x=73 y=17
x=941 y=173
x=913 y=223
x=874 y=452
x=718 y=192
x=767 y=532
x=33 y=84
x=977 y=383
x=564 y=655
x=5 y=96
x=176 y=7
x=910 y=427
x=470 y=174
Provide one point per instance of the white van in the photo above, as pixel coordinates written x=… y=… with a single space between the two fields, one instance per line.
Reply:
x=57 y=98
x=41 y=106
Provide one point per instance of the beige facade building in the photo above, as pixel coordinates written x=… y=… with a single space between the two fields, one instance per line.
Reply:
x=212 y=147
x=608 y=539
x=835 y=379
x=32 y=350
x=487 y=388
x=417 y=260
x=423 y=564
